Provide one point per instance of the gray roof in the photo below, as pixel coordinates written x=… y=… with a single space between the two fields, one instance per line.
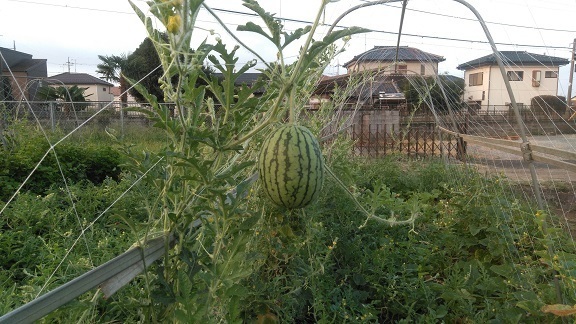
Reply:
x=247 y=78
x=388 y=53
x=76 y=79
x=13 y=57
x=27 y=64
x=515 y=58
x=380 y=85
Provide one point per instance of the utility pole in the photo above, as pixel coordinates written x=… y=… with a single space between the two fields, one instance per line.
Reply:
x=570 y=81
x=68 y=63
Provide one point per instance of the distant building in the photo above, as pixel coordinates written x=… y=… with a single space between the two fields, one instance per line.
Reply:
x=98 y=89
x=378 y=90
x=401 y=60
x=530 y=75
x=20 y=74
x=117 y=94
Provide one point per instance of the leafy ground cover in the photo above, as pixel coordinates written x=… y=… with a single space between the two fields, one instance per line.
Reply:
x=462 y=248
x=472 y=255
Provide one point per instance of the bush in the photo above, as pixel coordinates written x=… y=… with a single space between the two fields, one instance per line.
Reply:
x=75 y=162
x=473 y=255
x=549 y=103
x=36 y=233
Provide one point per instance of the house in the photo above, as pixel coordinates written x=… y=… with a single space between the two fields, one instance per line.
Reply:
x=381 y=69
x=115 y=91
x=20 y=74
x=396 y=60
x=375 y=90
x=370 y=102
x=247 y=79
x=98 y=89
x=530 y=75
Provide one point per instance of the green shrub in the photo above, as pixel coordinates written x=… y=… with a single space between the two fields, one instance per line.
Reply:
x=473 y=255
x=37 y=232
x=74 y=162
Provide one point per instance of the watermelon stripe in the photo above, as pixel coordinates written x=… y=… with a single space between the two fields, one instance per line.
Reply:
x=291 y=166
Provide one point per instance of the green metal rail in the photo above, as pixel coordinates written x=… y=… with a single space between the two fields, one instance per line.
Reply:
x=110 y=277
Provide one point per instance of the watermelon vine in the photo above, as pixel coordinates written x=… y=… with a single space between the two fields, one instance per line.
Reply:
x=214 y=131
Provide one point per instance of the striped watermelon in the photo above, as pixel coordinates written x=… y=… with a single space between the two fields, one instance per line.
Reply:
x=291 y=166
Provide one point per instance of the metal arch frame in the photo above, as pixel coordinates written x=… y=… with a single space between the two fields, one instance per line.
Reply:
x=521 y=128
x=120 y=270
x=525 y=147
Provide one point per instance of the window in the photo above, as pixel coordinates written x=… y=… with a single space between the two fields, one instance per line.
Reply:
x=536 y=77
x=402 y=68
x=104 y=89
x=475 y=79
x=550 y=74
x=422 y=69
x=515 y=75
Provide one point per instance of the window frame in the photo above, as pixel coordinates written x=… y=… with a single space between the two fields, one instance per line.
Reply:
x=519 y=76
x=536 y=78
x=550 y=74
x=476 y=79
x=402 y=68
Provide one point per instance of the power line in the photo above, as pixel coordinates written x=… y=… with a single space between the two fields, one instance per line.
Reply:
x=468 y=40
x=236 y=12
x=71 y=7
x=488 y=22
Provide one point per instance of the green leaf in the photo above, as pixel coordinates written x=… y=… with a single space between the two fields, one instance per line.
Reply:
x=476 y=228
x=503 y=270
x=252 y=27
x=273 y=24
x=289 y=38
x=319 y=46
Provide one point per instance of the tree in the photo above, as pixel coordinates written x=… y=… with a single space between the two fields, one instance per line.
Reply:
x=69 y=95
x=143 y=66
x=111 y=69
x=425 y=90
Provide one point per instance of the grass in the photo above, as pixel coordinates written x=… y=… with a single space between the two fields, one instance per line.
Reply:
x=473 y=255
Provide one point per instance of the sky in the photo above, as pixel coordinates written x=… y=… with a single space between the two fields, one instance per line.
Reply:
x=71 y=34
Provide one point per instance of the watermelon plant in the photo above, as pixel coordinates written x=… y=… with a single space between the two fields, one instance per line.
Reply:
x=219 y=136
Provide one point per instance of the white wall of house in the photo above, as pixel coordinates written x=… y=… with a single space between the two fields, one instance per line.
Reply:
x=94 y=92
x=491 y=93
x=117 y=98
x=99 y=92
x=412 y=68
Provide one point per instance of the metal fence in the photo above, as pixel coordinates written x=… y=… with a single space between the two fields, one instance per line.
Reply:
x=379 y=141
x=70 y=115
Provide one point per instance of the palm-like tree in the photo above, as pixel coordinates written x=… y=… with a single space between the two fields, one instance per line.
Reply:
x=111 y=70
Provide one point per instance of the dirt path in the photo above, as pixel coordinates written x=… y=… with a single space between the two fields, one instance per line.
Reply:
x=558 y=185
x=513 y=166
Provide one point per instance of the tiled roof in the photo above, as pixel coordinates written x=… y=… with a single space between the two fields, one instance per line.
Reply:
x=515 y=58
x=13 y=57
x=388 y=53
x=27 y=64
x=380 y=85
x=76 y=78
x=247 y=78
